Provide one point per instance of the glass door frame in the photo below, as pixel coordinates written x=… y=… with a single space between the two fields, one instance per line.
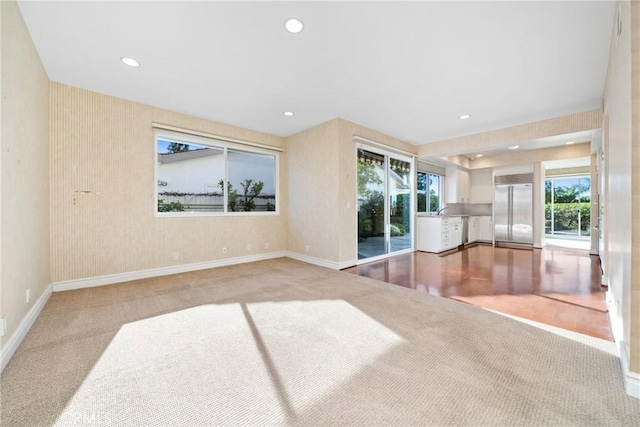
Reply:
x=579 y=233
x=388 y=153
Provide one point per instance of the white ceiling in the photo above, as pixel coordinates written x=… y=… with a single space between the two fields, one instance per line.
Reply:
x=406 y=69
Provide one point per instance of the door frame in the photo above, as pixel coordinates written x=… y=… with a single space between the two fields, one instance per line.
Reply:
x=387 y=152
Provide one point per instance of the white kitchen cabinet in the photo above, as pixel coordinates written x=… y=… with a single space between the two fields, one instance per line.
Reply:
x=428 y=233
x=464 y=191
x=472 y=233
x=480 y=229
x=482 y=186
x=457 y=185
x=437 y=233
x=486 y=229
x=455 y=234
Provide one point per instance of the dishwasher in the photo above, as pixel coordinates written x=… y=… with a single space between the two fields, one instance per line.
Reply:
x=465 y=230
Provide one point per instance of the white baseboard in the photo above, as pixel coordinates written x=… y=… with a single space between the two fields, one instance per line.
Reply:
x=6 y=353
x=27 y=322
x=334 y=265
x=631 y=379
x=604 y=281
x=616 y=326
x=347 y=264
x=163 y=271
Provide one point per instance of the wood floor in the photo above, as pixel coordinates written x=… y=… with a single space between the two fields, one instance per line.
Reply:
x=556 y=286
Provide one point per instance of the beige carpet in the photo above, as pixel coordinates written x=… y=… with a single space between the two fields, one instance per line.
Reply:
x=283 y=342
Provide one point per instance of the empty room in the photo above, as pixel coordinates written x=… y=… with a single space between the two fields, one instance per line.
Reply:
x=320 y=213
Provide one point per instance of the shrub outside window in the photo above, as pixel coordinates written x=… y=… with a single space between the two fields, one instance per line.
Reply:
x=201 y=176
x=429 y=191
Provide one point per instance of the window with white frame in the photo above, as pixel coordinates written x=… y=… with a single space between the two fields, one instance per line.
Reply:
x=429 y=191
x=210 y=176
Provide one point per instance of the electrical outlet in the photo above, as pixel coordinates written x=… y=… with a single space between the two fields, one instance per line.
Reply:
x=249 y=248
x=307 y=248
x=176 y=256
x=224 y=250
x=28 y=295
x=266 y=245
x=4 y=324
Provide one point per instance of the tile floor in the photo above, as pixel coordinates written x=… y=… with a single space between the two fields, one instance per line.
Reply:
x=557 y=286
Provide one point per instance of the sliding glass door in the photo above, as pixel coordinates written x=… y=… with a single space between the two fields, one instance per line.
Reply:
x=399 y=204
x=568 y=206
x=384 y=203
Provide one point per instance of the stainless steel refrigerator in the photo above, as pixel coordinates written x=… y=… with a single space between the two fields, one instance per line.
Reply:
x=513 y=209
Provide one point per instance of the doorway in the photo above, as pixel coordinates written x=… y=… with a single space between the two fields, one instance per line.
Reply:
x=568 y=211
x=385 y=203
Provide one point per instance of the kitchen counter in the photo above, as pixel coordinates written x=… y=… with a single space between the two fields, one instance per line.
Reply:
x=438 y=233
x=426 y=215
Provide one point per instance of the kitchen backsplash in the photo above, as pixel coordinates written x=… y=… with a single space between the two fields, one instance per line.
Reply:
x=469 y=209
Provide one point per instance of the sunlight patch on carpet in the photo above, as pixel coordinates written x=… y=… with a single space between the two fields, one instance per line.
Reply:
x=228 y=364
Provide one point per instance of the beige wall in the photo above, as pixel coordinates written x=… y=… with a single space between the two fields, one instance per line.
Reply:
x=619 y=203
x=635 y=190
x=322 y=189
x=499 y=138
x=428 y=167
x=103 y=192
x=1 y=168
x=531 y=156
x=313 y=192
x=584 y=170
x=24 y=169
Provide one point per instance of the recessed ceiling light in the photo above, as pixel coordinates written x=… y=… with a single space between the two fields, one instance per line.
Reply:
x=571 y=142
x=464 y=116
x=513 y=147
x=130 y=61
x=478 y=155
x=293 y=25
x=288 y=113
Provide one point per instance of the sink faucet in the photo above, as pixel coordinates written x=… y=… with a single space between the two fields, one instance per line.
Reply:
x=441 y=209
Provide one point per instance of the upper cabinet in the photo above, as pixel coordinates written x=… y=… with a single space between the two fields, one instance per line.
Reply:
x=463 y=186
x=482 y=186
x=458 y=185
